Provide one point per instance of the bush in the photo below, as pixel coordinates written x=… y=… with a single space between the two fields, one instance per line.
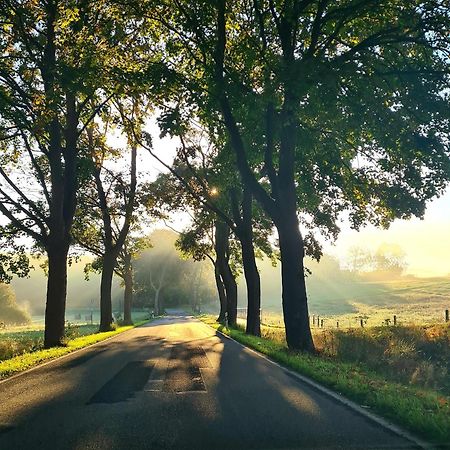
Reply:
x=415 y=354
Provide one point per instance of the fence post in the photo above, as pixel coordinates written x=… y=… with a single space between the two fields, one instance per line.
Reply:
x=362 y=323
x=318 y=321
x=321 y=323
x=337 y=324
x=447 y=317
x=395 y=320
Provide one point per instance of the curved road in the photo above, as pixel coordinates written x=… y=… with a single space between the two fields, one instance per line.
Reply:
x=176 y=384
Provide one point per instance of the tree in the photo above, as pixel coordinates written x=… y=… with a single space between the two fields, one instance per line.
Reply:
x=106 y=214
x=204 y=176
x=131 y=250
x=166 y=278
x=59 y=67
x=10 y=312
x=294 y=84
x=199 y=243
x=388 y=260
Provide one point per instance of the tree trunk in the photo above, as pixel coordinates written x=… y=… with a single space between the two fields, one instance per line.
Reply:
x=244 y=231
x=231 y=290
x=157 y=303
x=221 y=292
x=109 y=262
x=251 y=273
x=56 y=296
x=295 y=304
x=128 y=294
x=222 y=255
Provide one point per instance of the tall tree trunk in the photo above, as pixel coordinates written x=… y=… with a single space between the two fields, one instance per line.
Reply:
x=295 y=303
x=128 y=294
x=231 y=289
x=114 y=242
x=221 y=292
x=222 y=255
x=244 y=232
x=109 y=262
x=56 y=295
x=251 y=273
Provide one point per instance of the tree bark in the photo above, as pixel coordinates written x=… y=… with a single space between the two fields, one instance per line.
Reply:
x=56 y=296
x=244 y=232
x=109 y=262
x=221 y=292
x=294 y=297
x=128 y=294
x=251 y=273
x=222 y=255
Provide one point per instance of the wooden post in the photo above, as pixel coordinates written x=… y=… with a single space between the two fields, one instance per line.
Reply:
x=447 y=317
x=321 y=323
x=318 y=321
x=362 y=323
x=337 y=324
x=313 y=319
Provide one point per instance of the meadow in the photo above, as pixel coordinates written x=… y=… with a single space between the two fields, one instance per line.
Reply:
x=18 y=340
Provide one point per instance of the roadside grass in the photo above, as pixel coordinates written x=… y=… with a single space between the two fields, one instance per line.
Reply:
x=29 y=344
x=423 y=410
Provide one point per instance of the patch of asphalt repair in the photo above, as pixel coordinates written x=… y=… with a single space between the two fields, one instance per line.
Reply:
x=183 y=369
x=130 y=379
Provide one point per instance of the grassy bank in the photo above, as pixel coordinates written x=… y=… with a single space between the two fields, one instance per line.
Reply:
x=23 y=349
x=421 y=409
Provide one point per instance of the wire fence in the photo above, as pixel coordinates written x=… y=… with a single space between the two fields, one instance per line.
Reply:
x=380 y=317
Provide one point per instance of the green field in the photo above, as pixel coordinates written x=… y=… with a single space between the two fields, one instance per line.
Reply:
x=412 y=300
x=18 y=340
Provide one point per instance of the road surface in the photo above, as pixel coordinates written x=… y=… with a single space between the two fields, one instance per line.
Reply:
x=176 y=384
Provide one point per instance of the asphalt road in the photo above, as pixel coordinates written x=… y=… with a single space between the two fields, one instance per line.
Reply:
x=176 y=384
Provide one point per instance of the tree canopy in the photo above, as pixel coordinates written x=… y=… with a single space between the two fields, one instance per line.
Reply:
x=290 y=114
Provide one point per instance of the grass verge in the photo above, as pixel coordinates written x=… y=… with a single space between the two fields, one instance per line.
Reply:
x=30 y=359
x=422 y=411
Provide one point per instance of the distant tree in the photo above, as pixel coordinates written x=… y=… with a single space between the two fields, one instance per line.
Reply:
x=359 y=259
x=131 y=250
x=388 y=259
x=204 y=178
x=162 y=277
x=10 y=312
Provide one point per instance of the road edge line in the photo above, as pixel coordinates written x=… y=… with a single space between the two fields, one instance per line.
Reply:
x=59 y=358
x=336 y=396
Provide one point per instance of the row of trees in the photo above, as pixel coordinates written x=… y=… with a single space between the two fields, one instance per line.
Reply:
x=288 y=113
